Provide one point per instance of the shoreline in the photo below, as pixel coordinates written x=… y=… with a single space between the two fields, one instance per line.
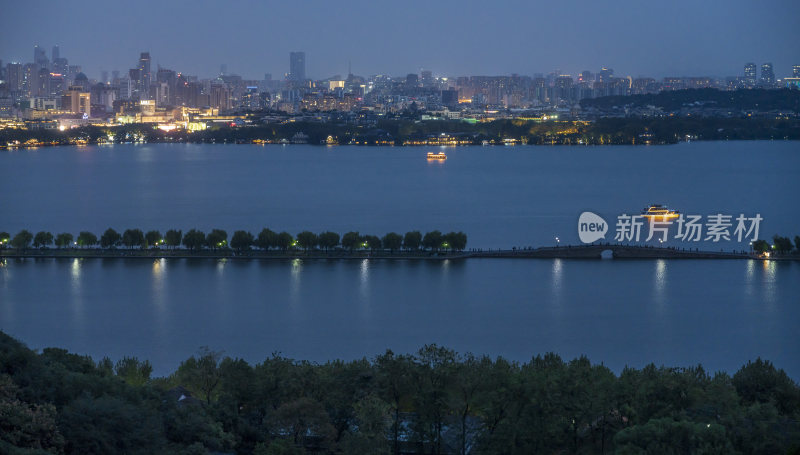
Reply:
x=592 y=251
x=491 y=144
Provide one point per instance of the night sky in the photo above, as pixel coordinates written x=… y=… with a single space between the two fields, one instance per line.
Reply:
x=466 y=37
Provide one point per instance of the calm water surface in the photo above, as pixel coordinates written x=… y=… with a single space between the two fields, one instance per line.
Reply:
x=679 y=312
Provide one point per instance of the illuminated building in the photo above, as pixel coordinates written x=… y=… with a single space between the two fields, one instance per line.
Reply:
x=76 y=101
x=605 y=75
x=297 y=66
x=14 y=77
x=145 y=76
x=795 y=70
x=750 y=75
x=767 y=75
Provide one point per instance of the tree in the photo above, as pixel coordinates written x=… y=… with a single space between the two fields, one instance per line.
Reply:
x=351 y=240
x=392 y=241
x=42 y=239
x=412 y=240
x=110 y=238
x=432 y=240
x=86 y=238
x=132 y=238
x=796 y=242
x=307 y=240
x=22 y=239
x=194 y=240
x=26 y=426
x=761 y=246
x=284 y=240
x=152 y=238
x=173 y=238
x=301 y=418
x=4 y=238
x=133 y=371
x=761 y=382
x=432 y=378
x=782 y=244
x=370 y=416
x=241 y=240
x=373 y=242
x=266 y=239
x=394 y=380
x=217 y=238
x=64 y=240
x=456 y=240
x=201 y=374
x=328 y=240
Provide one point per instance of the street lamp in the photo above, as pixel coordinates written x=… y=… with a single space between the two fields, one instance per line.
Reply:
x=558 y=241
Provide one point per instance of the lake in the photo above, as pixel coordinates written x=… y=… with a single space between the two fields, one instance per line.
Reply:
x=720 y=313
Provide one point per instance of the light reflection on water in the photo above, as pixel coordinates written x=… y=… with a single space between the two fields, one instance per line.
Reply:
x=76 y=286
x=296 y=281
x=556 y=276
x=660 y=282
x=769 y=283
x=159 y=293
x=749 y=279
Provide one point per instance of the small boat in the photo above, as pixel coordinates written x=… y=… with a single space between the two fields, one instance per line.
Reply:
x=437 y=156
x=659 y=211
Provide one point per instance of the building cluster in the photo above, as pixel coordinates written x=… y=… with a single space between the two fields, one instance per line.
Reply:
x=54 y=93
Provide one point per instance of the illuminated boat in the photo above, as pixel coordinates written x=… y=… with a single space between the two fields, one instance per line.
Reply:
x=658 y=211
x=437 y=156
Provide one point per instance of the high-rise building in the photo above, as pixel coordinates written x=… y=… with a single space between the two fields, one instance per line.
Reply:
x=750 y=78
x=767 y=75
x=56 y=53
x=30 y=75
x=144 y=74
x=77 y=101
x=14 y=76
x=297 y=66
x=39 y=57
x=605 y=75
x=795 y=70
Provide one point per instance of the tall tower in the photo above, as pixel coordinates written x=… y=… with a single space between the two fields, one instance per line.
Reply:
x=39 y=57
x=146 y=77
x=750 y=74
x=767 y=75
x=56 y=54
x=606 y=74
x=297 y=66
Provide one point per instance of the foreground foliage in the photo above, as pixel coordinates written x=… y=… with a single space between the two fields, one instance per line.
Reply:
x=435 y=401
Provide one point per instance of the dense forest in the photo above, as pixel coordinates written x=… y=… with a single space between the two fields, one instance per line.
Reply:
x=785 y=100
x=434 y=402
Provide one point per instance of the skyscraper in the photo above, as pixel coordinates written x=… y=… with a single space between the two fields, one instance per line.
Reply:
x=795 y=70
x=606 y=74
x=750 y=74
x=144 y=74
x=297 y=66
x=39 y=57
x=14 y=76
x=767 y=76
x=56 y=54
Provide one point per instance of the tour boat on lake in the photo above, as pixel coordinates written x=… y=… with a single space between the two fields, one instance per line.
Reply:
x=437 y=156
x=660 y=211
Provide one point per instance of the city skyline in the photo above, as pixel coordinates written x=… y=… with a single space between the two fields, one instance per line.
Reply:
x=446 y=38
x=296 y=69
